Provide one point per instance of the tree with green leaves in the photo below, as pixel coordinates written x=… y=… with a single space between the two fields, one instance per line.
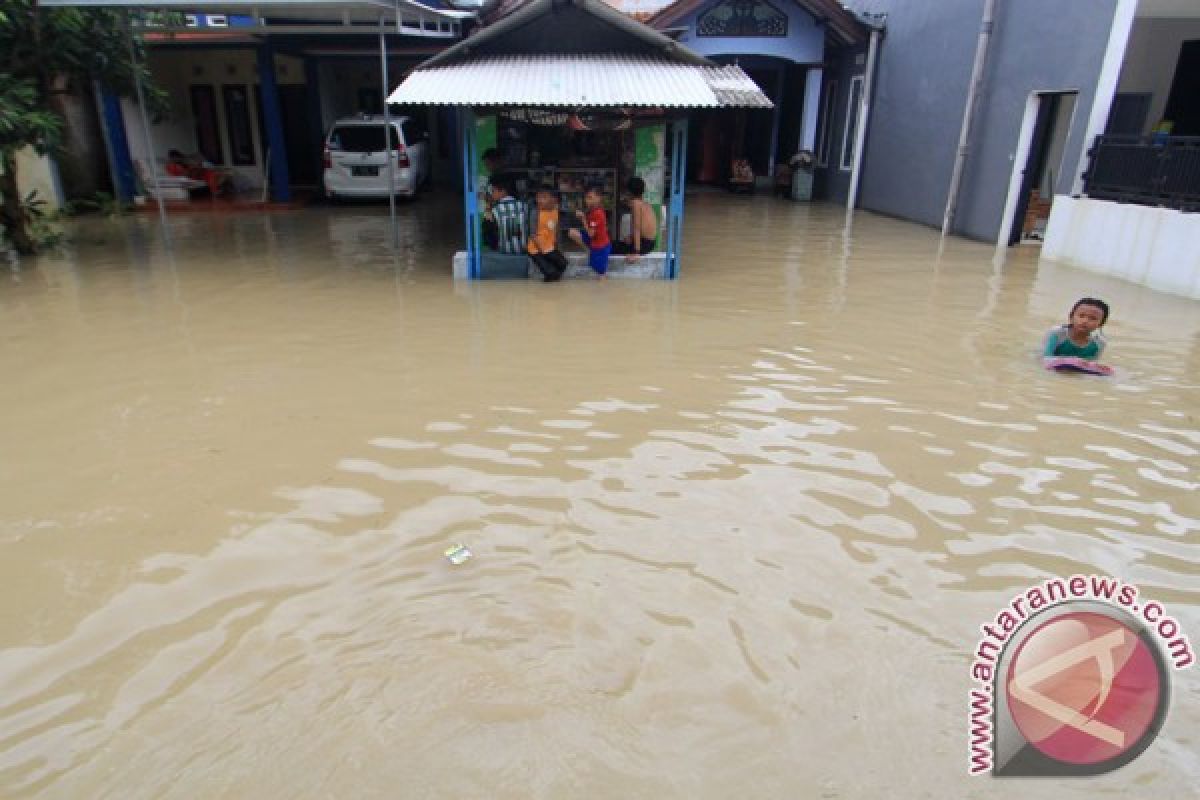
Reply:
x=43 y=52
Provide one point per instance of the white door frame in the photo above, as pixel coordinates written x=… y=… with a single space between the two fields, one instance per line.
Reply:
x=1020 y=159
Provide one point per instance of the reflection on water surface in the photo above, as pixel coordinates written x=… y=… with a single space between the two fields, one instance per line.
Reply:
x=733 y=536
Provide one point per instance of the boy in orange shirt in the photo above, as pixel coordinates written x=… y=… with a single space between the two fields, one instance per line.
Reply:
x=543 y=244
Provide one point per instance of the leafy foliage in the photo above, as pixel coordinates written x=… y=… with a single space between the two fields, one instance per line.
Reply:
x=42 y=51
x=21 y=120
x=42 y=228
x=99 y=202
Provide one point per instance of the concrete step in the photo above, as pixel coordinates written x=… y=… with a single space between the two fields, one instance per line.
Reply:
x=497 y=266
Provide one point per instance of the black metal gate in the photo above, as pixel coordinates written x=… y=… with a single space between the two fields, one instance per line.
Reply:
x=1146 y=170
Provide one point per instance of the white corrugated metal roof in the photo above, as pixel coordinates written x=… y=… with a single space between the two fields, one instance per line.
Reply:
x=580 y=80
x=734 y=88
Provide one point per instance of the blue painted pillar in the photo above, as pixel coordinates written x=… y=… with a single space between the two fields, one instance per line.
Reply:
x=280 y=190
x=466 y=129
x=677 y=133
x=115 y=142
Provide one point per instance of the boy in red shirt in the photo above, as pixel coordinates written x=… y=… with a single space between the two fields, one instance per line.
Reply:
x=594 y=236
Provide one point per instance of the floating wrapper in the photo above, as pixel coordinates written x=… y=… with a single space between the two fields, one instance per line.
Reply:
x=458 y=554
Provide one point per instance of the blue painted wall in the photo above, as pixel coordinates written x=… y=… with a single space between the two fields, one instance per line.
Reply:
x=804 y=44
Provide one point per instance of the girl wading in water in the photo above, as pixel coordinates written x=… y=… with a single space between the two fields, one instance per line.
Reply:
x=1078 y=344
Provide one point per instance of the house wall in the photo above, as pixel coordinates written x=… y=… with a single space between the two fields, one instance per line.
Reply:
x=341 y=80
x=831 y=182
x=175 y=72
x=924 y=69
x=1151 y=58
x=804 y=44
x=783 y=56
x=83 y=161
x=1155 y=247
x=1060 y=51
x=36 y=173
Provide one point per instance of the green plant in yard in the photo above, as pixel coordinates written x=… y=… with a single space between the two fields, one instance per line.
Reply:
x=42 y=230
x=42 y=50
x=98 y=202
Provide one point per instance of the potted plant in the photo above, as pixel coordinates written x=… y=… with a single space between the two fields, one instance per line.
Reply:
x=802 y=165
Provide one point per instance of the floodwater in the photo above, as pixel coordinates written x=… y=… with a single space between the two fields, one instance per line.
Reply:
x=733 y=536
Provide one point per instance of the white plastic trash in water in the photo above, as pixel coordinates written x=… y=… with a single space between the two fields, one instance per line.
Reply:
x=458 y=554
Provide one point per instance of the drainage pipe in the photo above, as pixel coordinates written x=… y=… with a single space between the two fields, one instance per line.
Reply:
x=864 y=115
x=960 y=160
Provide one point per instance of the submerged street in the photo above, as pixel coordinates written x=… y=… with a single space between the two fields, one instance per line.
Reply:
x=732 y=535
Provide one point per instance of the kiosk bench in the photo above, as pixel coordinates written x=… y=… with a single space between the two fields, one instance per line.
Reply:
x=498 y=266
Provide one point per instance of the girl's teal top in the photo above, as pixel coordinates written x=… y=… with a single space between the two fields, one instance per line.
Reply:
x=1058 y=343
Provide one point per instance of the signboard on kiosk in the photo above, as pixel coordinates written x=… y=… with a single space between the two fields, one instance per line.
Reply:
x=649 y=156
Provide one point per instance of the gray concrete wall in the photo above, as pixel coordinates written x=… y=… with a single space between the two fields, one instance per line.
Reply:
x=1032 y=50
x=921 y=85
x=924 y=68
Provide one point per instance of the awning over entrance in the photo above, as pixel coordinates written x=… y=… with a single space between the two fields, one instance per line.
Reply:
x=580 y=80
x=267 y=26
x=408 y=17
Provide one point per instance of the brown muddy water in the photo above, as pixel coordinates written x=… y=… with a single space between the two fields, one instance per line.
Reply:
x=733 y=536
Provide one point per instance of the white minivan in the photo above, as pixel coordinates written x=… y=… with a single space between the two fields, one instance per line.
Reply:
x=356 y=158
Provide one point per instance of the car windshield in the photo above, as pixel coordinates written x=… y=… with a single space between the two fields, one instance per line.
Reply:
x=358 y=138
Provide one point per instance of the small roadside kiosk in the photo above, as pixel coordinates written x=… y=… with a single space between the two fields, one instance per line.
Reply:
x=574 y=94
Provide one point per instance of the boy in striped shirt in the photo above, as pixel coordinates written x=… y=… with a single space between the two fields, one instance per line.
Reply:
x=505 y=226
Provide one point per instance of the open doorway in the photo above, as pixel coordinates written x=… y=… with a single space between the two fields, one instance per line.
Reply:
x=302 y=145
x=1182 y=110
x=1037 y=167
